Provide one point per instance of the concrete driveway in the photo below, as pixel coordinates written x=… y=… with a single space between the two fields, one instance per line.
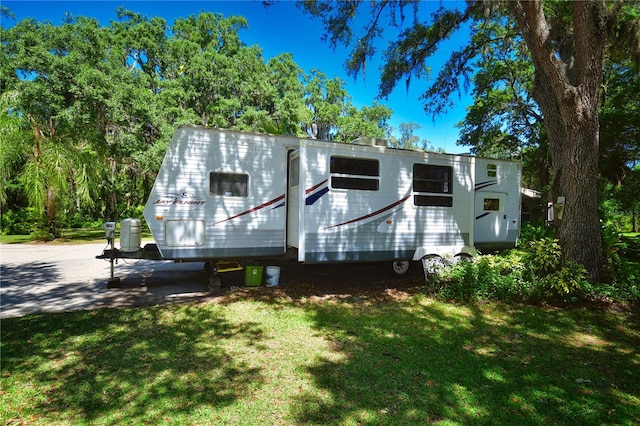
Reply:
x=39 y=278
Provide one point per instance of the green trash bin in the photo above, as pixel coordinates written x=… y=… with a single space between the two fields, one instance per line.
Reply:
x=253 y=275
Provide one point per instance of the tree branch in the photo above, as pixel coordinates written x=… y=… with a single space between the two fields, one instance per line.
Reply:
x=535 y=29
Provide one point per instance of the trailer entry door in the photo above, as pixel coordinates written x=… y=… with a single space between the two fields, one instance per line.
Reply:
x=293 y=200
x=491 y=217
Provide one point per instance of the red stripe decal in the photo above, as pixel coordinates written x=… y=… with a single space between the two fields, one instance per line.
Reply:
x=377 y=212
x=316 y=186
x=261 y=206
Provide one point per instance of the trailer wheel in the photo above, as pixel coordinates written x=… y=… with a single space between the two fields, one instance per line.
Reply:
x=401 y=267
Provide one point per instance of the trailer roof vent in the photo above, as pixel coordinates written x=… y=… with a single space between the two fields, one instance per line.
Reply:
x=370 y=141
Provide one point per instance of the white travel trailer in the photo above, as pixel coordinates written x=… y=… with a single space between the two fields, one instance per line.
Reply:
x=233 y=195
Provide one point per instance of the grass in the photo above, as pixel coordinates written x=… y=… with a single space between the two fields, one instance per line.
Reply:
x=264 y=357
x=15 y=239
x=70 y=236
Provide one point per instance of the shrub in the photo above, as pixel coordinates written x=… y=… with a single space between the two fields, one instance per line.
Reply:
x=549 y=277
x=535 y=274
x=568 y=283
x=459 y=282
x=543 y=256
x=485 y=277
x=622 y=268
x=82 y=220
x=529 y=233
x=21 y=222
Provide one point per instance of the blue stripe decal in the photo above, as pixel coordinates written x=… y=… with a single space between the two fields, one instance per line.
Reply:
x=311 y=199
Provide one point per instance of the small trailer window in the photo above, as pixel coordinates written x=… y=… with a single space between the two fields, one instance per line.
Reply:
x=433 y=180
x=294 y=172
x=492 y=204
x=229 y=184
x=492 y=170
x=355 y=173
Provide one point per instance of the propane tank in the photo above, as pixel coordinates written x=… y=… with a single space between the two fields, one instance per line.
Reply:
x=130 y=235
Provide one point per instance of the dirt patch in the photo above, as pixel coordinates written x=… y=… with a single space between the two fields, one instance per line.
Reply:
x=344 y=281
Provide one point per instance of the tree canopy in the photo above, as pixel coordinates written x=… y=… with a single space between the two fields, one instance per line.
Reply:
x=88 y=110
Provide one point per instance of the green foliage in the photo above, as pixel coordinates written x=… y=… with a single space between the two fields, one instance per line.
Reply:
x=620 y=133
x=461 y=282
x=536 y=273
x=19 y=222
x=543 y=256
x=622 y=275
x=497 y=277
x=623 y=282
x=550 y=277
x=530 y=233
x=564 y=283
x=87 y=111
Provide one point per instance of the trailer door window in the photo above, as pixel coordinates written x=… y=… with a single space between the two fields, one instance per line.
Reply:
x=491 y=204
x=432 y=185
x=229 y=184
x=355 y=173
x=294 y=171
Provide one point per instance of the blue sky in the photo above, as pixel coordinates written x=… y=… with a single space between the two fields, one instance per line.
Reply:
x=281 y=28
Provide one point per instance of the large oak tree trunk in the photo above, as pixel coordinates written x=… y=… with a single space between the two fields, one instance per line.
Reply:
x=574 y=144
x=567 y=89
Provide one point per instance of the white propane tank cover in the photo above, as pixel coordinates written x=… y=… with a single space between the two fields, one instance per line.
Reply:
x=130 y=235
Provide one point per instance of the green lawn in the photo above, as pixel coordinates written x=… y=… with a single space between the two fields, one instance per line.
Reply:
x=262 y=357
x=70 y=236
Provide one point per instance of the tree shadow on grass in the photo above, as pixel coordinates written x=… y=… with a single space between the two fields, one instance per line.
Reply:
x=420 y=363
x=396 y=357
x=140 y=366
x=404 y=358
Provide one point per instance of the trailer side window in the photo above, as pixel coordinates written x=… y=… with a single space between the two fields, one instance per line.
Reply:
x=492 y=170
x=432 y=200
x=229 y=184
x=355 y=173
x=432 y=185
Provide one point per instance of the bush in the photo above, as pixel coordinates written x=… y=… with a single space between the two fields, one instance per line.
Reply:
x=529 y=233
x=485 y=277
x=543 y=256
x=79 y=220
x=459 y=282
x=567 y=283
x=535 y=274
x=549 y=277
x=21 y=222
x=622 y=268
